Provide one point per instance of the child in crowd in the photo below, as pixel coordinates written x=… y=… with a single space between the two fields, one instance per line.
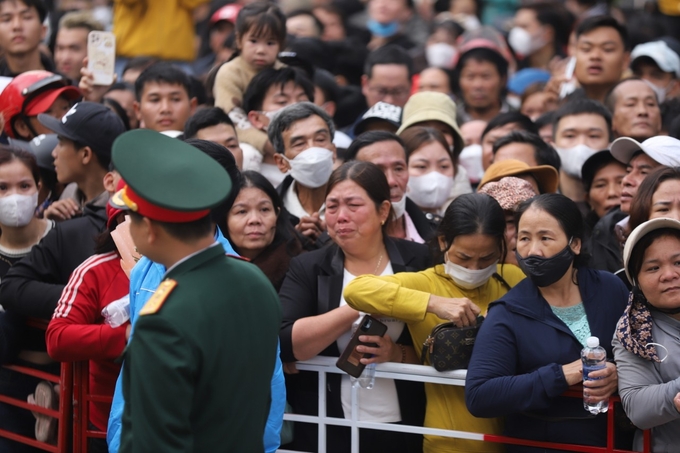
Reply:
x=260 y=36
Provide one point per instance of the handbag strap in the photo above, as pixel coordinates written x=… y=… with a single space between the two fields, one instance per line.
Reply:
x=501 y=280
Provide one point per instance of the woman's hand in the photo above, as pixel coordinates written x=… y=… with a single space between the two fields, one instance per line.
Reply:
x=676 y=401
x=463 y=312
x=386 y=351
x=573 y=372
x=601 y=385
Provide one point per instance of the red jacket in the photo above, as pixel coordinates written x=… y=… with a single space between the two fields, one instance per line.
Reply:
x=77 y=330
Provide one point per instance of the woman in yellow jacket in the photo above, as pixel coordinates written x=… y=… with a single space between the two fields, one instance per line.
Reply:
x=471 y=237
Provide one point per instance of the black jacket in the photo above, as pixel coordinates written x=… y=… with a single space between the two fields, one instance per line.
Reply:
x=45 y=61
x=604 y=247
x=426 y=224
x=313 y=285
x=33 y=286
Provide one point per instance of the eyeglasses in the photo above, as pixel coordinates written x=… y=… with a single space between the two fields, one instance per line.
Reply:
x=397 y=93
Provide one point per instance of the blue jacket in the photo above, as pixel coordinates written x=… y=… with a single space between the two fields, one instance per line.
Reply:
x=516 y=365
x=144 y=279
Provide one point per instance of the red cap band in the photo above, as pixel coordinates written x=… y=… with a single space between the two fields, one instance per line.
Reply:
x=154 y=212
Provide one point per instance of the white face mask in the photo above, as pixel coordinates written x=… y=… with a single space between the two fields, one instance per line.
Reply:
x=17 y=210
x=431 y=190
x=399 y=207
x=523 y=43
x=572 y=159
x=312 y=167
x=440 y=55
x=468 y=278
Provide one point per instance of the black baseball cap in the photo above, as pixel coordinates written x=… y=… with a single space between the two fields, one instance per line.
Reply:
x=89 y=124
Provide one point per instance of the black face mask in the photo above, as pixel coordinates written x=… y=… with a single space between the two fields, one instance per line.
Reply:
x=546 y=271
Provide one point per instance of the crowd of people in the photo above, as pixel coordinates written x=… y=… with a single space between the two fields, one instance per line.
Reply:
x=419 y=161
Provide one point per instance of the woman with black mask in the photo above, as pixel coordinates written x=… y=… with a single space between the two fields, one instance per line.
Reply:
x=527 y=353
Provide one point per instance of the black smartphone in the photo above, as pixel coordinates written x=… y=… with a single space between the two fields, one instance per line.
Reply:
x=349 y=360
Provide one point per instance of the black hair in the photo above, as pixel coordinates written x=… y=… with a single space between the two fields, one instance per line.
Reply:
x=369 y=138
x=139 y=63
x=223 y=156
x=610 y=99
x=638 y=252
x=523 y=121
x=284 y=229
x=555 y=15
x=641 y=207
x=389 y=54
x=118 y=110
x=481 y=54
x=543 y=152
x=254 y=95
x=544 y=120
x=592 y=23
x=263 y=19
x=324 y=81
x=580 y=107
x=187 y=232
x=567 y=214
x=124 y=86
x=39 y=6
x=306 y=12
x=369 y=177
x=473 y=213
x=205 y=117
x=162 y=72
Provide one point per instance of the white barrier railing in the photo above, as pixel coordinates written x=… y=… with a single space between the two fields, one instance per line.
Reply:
x=398 y=371
x=420 y=373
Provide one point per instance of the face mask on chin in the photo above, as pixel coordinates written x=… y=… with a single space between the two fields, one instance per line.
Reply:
x=399 y=207
x=312 y=167
x=383 y=30
x=545 y=271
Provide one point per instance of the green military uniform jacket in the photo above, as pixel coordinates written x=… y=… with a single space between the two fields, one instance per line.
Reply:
x=197 y=372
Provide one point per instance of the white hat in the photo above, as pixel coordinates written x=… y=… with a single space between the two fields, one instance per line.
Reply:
x=663 y=56
x=641 y=231
x=662 y=148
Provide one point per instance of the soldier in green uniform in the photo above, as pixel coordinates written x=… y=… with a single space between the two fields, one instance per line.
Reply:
x=197 y=372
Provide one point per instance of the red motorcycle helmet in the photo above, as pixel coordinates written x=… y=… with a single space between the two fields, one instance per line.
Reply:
x=32 y=93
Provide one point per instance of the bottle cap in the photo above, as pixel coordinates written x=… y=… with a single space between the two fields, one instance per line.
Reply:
x=593 y=342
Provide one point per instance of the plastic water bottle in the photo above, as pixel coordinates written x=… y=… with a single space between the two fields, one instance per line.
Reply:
x=593 y=357
x=367 y=378
x=117 y=312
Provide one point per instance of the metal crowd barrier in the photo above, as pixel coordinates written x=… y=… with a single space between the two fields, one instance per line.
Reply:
x=420 y=373
x=63 y=414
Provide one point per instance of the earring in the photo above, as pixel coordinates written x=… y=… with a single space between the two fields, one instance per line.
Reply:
x=382 y=223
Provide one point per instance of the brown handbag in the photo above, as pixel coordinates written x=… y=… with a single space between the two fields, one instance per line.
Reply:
x=450 y=347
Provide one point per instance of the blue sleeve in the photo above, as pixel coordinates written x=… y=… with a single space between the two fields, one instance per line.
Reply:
x=272 y=431
x=219 y=237
x=144 y=279
x=492 y=387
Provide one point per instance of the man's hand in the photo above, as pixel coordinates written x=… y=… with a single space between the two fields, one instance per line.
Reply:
x=91 y=92
x=311 y=226
x=62 y=210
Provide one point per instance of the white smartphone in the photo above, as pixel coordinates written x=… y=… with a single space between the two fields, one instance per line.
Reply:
x=101 y=55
